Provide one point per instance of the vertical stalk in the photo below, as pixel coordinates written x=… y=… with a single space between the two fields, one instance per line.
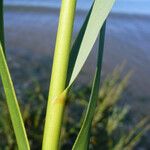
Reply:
x=55 y=109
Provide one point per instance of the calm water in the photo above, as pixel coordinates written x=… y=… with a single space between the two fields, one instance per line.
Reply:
x=128 y=6
x=127 y=38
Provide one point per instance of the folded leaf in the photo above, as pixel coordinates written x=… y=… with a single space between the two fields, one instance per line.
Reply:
x=76 y=46
x=99 y=13
x=86 y=39
x=88 y=33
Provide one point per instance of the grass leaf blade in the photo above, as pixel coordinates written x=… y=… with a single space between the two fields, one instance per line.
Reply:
x=76 y=46
x=99 y=13
x=82 y=140
x=12 y=103
x=2 y=26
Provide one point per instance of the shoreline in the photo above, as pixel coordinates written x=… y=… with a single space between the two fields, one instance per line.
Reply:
x=128 y=7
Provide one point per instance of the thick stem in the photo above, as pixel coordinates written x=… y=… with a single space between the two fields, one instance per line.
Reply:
x=55 y=109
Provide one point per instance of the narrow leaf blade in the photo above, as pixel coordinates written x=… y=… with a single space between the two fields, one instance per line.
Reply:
x=76 y=46
x=2 y=26
x=12 y=103
x=99 y=13
x=83 y=137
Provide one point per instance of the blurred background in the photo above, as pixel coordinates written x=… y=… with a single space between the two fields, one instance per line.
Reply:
x=30 y=32
x=31 y=26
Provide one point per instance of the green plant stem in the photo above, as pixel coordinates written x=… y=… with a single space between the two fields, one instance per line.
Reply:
x=55 y=108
